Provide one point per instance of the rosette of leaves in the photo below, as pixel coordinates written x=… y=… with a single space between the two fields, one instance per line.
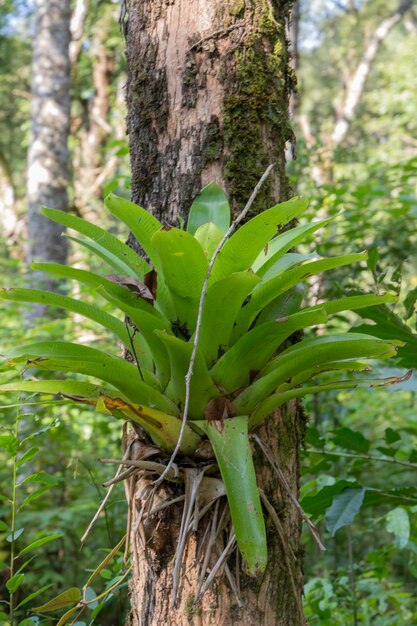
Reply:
x=243 y=368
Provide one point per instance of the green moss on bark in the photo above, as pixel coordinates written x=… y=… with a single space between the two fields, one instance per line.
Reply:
x=255 y=107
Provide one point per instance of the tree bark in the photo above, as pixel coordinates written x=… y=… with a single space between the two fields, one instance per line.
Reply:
x=207 y=95
x=48 y=156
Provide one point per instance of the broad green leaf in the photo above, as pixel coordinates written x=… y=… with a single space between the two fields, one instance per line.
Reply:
x=306 y=354
x=112 y=260
x=266 y=407
x=221 y=306
x=252 y=352
x=398 y=523
x=102 y=238
x=282 y=243
x=208 y=236
x=344 y=509
x=146 y=323
x=351 y=440
x=391 y=436
x=32 y=596
x=107 y=289
x=70 y=357
x=317 y=504
x=240 y=251
x=64 y=387
x=89 y=311
x=3 y=526
x=287 y=303
x=231 y=446
x=38 y=543
x=337 y=366
x=266 y=291
x=353 y=303
x=210 y=205
x=388 y=325
x=202 y=387
x=163 y=428
x=14 y=583
x=66 y=598
x=140 y=222
x=184 y=267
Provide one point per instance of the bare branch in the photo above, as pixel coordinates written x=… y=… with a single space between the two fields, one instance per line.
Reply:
x=356 y=86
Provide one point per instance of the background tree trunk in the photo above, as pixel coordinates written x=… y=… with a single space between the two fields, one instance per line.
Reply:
x=208 y=90
x=48 y=156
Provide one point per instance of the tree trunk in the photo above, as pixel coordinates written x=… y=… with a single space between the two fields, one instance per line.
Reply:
x=48 y=157
x=207 y=95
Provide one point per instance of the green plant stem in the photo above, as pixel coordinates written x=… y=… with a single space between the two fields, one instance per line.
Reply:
x=352 y=578
x=364 y=457
x=14 y=508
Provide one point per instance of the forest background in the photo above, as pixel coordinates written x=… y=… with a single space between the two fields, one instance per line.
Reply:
x=360 y=160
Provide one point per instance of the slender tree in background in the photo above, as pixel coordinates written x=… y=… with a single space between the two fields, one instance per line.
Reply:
x=48 y=156
x=207 y=95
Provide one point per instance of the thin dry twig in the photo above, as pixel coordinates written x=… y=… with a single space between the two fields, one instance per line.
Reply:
x=228 y=549
x=268 y=454
x=189 y=374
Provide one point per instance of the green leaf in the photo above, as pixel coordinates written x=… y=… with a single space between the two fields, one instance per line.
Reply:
x=163 y=428
x=269 y=289
x=89 y=311
x=208 y=236
x=140 y=222
x=240 y=251
x=14 y=583
x=184 y=267
x=106 y=288
x=389 y=325
x=351 y=440
x=27 y=456
x=102 y=239
x=398 y=523
x=221 y=306
x=38 y=543
x=266 y=407
x=210 y=205
x=307 y=354
x=38 y=493
x=284 y=242
x=353 y=303
x=317 y=504
x=146 y=323
x=344 y=509
x=66 y=598
x=64 y=387
x=32 y=596
x=252 y=351
x=3 y=526
x=231 y=446
x=64 y=619
x=409 y=303
x=112 y=260
x=391 y=436
x=202 y=388
x=70 y=357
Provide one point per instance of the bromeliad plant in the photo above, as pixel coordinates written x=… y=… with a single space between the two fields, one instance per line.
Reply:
x=242 y=370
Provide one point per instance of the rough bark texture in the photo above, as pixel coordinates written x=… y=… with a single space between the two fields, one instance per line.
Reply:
x=207 y=99
x=48 y=157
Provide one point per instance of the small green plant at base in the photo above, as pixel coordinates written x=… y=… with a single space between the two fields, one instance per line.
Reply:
x=242 y=371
